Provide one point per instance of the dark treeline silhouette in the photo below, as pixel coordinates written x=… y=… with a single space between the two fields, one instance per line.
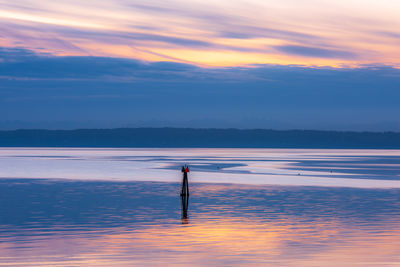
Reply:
x=186 y=137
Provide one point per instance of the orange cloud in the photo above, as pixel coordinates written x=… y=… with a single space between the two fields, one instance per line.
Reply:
x=206 y=33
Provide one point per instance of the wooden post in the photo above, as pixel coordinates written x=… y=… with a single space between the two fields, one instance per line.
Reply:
x=185 y=182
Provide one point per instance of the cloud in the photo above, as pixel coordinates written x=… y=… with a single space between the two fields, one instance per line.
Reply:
x=8 y=54
x=213 y=33
x=306 y=51
x=225 y=25
x=395 y=35
x=37 y=87
x=21 y=63
x=246 y=31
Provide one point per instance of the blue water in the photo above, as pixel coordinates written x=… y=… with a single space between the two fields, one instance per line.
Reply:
x=80 y=223
x=247 y=207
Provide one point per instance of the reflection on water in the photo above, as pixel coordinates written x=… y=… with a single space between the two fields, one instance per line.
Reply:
x=185 y=207
x=70 y=223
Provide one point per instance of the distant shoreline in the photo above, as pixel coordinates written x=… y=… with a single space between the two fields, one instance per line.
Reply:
x=206 y=138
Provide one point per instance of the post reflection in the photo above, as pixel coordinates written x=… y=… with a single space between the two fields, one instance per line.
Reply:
x=185 y=206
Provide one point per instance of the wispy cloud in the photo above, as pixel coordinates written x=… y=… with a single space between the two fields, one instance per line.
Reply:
x=306 y=51
x=223 y=33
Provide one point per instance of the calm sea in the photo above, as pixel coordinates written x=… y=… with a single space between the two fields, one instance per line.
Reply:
x=247 y=207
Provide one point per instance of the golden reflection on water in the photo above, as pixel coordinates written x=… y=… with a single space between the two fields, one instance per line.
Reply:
x=225 y=225
x=208 y=241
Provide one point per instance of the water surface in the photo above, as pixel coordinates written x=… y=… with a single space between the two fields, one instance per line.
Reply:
x=131 y=215
x=308 y=167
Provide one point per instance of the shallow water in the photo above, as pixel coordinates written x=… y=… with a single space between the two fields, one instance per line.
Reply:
x=138 y=221
x=71 y=223
x=307 y=167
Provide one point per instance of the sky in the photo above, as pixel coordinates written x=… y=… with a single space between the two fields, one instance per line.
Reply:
x=304 y=64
